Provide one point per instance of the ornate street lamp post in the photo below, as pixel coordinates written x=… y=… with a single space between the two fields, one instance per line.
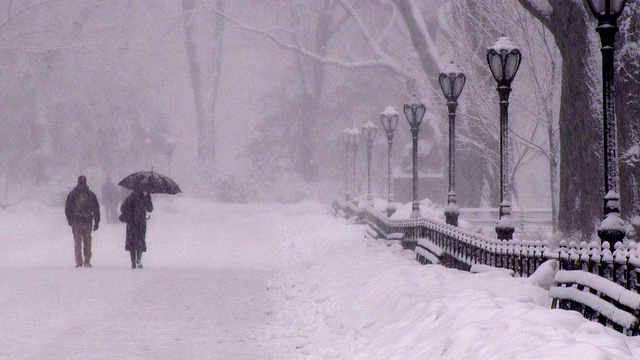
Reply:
x=452 y=81
x=369 y=131
x=354 y=136
x=414 y=112
x=504 y=60
x=389 y=119
x=607 y=12
x=347 y=147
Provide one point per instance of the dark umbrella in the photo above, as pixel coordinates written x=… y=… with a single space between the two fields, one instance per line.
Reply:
x=150 y=182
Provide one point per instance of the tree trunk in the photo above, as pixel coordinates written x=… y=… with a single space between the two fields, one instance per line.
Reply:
x=195 y=70
x=313 y=74
x=420 y=40
x=581 y=169
x=628 y=108
x=215 y=73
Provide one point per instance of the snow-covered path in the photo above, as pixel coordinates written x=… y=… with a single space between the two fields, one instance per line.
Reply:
x=266 y=282
x=117 y=313
x=201 y=295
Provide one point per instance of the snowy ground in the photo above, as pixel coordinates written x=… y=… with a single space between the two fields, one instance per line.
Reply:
x=265 y=282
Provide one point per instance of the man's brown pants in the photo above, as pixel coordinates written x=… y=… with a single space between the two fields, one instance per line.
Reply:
x=82 y=236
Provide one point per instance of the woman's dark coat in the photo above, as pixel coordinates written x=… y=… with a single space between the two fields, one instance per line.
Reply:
x=134 y=212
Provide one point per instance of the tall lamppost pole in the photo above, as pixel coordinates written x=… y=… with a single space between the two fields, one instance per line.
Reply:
x=353 y=139
x=607 y=12
x=414 y=112
x=369 y=131
x=389 y=119
x=347 y=147
x=452 y=81
x=504 y=60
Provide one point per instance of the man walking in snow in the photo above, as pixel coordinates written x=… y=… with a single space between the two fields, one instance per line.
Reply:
x=134 y=212
x=83 y=214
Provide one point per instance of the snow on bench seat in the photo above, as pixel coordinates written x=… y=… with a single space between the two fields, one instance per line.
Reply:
x=568 y=282
x=435 y=249
x=603 y=307
x=369 y=231
x=395 y=236
x=427 y=255
x=428 y=251
x=481 y=268
x=600 y=284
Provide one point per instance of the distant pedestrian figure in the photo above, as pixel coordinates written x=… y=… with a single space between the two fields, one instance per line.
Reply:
x=134 y=213
x=110 y=199
x=83 y=214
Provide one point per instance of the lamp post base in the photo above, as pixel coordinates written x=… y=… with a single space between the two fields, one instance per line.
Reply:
x=612 y=229
x=505 y=232
x=452 y=217
x=505 y=227
x=391 y=209
x=415 y=213
x=611 y=236
x=451 y=212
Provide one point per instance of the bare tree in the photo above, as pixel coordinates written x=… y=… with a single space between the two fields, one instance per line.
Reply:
x=82 y=93
x=628 y=110
x=581 y=174
x=204 y=36
x=418 y=70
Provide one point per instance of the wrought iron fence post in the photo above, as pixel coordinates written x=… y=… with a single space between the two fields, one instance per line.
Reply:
x=607 y=262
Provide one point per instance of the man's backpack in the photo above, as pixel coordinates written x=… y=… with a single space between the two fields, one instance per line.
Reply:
x=82 y=206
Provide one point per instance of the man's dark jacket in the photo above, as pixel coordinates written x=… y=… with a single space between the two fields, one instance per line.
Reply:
x=93 y=213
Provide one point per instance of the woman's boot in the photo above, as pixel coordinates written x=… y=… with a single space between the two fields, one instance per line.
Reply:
x=133 y=259
x=139 y=259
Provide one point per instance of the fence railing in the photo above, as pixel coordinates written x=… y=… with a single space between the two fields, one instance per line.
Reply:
x=437 y=242
x=462 y=248
x=620 y=266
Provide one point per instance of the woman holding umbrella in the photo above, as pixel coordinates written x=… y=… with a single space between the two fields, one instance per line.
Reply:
x=134 y=209
x=134 y=213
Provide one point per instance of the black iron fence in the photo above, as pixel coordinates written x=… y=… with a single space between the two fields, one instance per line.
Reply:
x=620 y=266
x=462 y=248
x=434 y=241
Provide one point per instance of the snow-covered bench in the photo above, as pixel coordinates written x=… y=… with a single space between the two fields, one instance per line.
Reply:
x=597 y=299
x=370 y=232
x=482 y=268
x=428 y=252
x=395 y=238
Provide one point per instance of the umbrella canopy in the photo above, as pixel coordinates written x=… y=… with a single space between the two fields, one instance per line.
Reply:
x=151 y=182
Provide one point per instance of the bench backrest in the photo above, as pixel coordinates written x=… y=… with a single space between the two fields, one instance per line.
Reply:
x=597 y=297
